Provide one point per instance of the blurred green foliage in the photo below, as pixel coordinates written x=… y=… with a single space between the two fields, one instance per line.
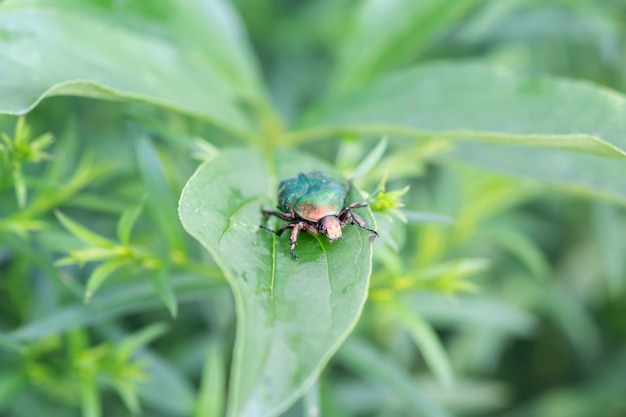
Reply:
x=498 y=286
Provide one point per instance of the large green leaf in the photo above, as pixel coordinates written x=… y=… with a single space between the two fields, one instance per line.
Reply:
x=472 y=101
x=292 y=314
x=49 y=48
x=586 y=175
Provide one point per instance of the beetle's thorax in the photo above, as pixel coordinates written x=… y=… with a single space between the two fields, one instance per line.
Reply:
x=331 y=226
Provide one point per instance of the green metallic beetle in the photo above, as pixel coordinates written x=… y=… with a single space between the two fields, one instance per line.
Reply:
x=316 y=203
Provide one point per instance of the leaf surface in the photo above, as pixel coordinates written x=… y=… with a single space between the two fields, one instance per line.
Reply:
x=580 y=174
x=77 y=49
x=292 y=314
x=477 y=102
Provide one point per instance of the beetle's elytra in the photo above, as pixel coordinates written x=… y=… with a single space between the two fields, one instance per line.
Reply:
x=316 y=203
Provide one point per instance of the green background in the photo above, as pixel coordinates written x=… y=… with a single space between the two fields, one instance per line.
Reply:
x=140 y=141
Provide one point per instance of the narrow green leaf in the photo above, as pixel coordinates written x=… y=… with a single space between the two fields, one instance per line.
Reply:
x=426 y=340
x=521 y=246
x=473 y=101
x=382 y=371
x=370 y=160
x=471 y=312
x=11 y=384
x=22 y=132
x=416 y=24
x=608 y=226
x=127 y=221
x=212 y=393
x=77 y=343
x=292 y=314
x=100 y=274
x=82 y=232
x=413 y=216
x=167 y=389
x=9 y=345
x=449 y=276
x=41 y=257
x=80 y=50
x=160 y=280
x=575 y=321
x=20 y=187
x=91 y=405
x=39 y=144
x=128 y=394
x=160 y=200
x=111 y=303
x=142 y=338
x=82 y=256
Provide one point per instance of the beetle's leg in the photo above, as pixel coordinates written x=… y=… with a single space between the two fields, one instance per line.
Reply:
x=280 y=215
x=297 y=227
x=294 y=238
x=355 y=218
x=264 y=227
x=280 y=230
x=346 y=210
x=309 y=228
x=358 y=205
x=289 y=217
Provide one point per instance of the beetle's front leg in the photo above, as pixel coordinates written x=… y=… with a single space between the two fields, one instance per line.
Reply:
x=358 y=205
x=346 y=212
x=355 y=218
x=297 y=227
x=294 y=238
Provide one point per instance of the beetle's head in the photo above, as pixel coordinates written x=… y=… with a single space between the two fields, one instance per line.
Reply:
x=331 y=226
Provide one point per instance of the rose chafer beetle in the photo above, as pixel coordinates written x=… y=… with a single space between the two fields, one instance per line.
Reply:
x=316 y=203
